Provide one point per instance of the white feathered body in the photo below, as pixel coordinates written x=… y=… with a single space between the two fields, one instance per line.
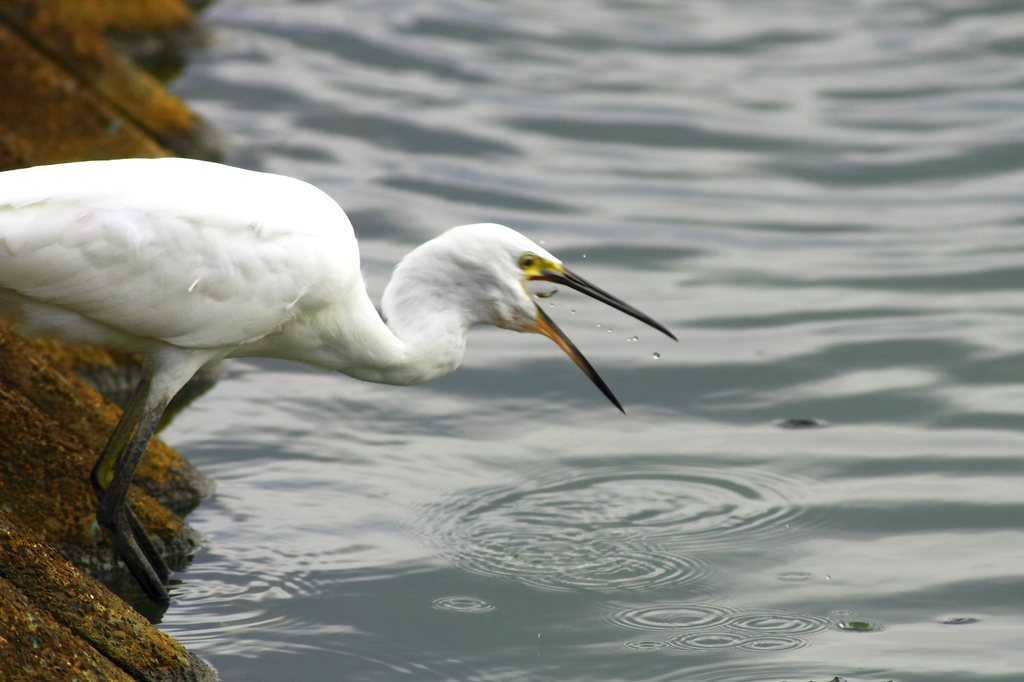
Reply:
x=195 y=255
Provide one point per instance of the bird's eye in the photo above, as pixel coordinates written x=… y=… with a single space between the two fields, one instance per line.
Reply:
x=527 y=260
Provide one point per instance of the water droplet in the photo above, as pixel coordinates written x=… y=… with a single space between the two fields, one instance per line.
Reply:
x=610 y=330
x=656 y=355
x=633 y=338
x=794 y=575
x=598 y=326
x=572 y=312
x=959 y=620
x=584 y=255
x=542 y=242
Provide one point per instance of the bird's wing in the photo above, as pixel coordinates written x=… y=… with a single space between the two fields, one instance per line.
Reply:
x=195 y=254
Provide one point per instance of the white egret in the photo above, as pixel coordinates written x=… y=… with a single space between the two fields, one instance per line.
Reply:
x=187 y=263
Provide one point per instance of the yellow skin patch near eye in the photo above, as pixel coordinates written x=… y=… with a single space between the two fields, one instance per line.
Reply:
x=535 y=267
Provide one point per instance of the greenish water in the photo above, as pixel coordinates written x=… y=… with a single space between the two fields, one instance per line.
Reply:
x=822 y=199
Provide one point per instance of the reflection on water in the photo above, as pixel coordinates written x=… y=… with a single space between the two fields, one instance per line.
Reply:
x=821 y=199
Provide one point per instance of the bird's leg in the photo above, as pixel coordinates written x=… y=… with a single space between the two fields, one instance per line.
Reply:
x=103 y=470
x=112 y=477
x=103 y=473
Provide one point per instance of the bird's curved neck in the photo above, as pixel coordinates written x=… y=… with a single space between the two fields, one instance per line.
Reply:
x=411 y=348
x=422 y=339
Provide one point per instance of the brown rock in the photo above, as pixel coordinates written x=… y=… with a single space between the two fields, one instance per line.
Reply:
x=34 y=646
x=66 y=33
x=55 y=115
x=119 y=15
x=60 y=625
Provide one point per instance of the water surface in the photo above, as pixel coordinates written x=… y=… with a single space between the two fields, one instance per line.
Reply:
x=824 y=477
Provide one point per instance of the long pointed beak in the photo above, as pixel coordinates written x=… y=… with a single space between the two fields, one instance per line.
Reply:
x=546 y=326
x=574 y=281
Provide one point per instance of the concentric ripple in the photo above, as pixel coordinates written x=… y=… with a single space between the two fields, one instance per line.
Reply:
x=670 y=617
x=562 y=560
x=610 y=528
x=704 y=626
x=462 y=605
x=703 y=641
x=646 y=645
x=708 y=640
x=778 y=623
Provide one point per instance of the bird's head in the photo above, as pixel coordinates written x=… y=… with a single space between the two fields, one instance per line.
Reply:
x=483 y=270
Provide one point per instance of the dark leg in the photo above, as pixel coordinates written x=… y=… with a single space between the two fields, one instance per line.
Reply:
x=112 y=477
x=103 y=470
x=103 y=473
